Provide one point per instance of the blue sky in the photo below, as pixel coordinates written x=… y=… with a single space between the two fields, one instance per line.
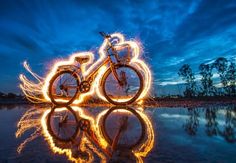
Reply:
x=172 y=32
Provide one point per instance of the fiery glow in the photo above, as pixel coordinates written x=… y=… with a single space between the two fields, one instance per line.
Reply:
x=31 y=119
x=85 y=140
x=37 y=118
x=38 y=92
x=140 y=152
x=147 y=145
x=33 y=91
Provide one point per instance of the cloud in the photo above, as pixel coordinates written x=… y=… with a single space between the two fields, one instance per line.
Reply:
x=172 y=33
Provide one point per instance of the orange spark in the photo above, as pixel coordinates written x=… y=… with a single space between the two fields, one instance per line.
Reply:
x=38 y=92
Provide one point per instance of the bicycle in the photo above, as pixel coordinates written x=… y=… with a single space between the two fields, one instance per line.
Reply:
x=65 y=125
x=120 y=81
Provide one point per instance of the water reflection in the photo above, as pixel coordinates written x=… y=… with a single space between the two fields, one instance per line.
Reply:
x=192 y=123
x=225 y=115
x=9 y=106
x=30 y=120
x=204 y=134
x=117 y=134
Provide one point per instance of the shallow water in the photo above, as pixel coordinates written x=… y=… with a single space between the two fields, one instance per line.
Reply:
x=181 y=135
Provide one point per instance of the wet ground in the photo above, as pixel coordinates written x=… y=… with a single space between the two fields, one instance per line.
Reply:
x=206 y=134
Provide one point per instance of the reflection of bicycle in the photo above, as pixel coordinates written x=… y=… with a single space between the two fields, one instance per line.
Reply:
x=128 y=131
x=120 y=81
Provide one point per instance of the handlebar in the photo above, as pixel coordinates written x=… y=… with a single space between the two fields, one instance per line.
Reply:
x=110 y=46
x=104 y=35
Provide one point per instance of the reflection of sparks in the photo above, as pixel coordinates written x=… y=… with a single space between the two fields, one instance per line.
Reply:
x=38 y=92
x=31 y=119
x=147 y=145
x=84 y=142
x=50 y=140
x=37 y=118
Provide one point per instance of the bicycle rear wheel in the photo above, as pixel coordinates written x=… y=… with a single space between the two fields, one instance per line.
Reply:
x=125 y=126
x=63 y=88
x=62 y=124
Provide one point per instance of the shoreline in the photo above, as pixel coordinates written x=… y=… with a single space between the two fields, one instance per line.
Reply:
x=151 y=103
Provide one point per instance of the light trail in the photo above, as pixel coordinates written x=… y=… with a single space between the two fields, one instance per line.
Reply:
x=68 y=152
x=143 y=150
x=37 y=119
x=30 y=120
x=38 y=91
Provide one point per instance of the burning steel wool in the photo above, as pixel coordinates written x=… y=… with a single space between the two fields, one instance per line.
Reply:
x=91 y=75
x=74 y=132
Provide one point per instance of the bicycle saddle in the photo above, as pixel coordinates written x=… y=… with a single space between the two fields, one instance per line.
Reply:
x=82 y=60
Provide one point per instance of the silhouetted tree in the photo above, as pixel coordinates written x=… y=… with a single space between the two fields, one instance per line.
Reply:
x=207 y=83
x=211 y=122
x=186 y=73
x=191 y=124
x=11 y=95
x=229 y=128
x=221 y=64
x=231 y=79
x=2 y=95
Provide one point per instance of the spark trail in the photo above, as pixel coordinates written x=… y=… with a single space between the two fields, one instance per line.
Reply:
x=37 y=91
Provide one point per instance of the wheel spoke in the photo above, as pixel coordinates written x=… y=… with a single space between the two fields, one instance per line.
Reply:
x=127 y=89
x=59 y=129
x=62 y=85
x=63 y=125
x=129 y=131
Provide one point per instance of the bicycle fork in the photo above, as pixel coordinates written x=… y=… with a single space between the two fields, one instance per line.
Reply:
x=116 y=76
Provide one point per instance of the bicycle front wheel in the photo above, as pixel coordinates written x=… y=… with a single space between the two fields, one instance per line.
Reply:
x=127 y=89
x=123 y=127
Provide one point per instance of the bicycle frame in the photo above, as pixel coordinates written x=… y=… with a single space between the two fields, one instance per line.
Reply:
x=109 y=61
x=92 y=136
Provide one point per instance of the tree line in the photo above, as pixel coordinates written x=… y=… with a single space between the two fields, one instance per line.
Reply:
x=9 y=95
x=212 y=128
x=227 y=73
